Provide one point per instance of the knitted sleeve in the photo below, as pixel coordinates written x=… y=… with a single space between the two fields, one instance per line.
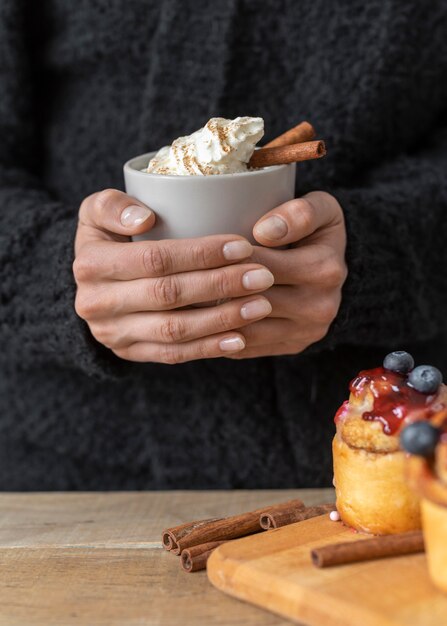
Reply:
x=38 y=323
x=396 y=291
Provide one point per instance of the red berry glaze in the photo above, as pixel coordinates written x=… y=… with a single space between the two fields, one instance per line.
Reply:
x=394 y=399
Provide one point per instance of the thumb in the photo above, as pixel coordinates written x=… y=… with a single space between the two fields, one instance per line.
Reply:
x=112 y=212
x=296 y=219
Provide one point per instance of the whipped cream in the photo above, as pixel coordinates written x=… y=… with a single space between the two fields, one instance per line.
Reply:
x=221 y=147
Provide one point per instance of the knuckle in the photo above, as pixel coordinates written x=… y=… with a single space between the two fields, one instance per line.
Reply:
x=124 y=353
x=84 y=268
x=105 y=197
x=203 y=350
x=332 y=273
x=304 y=212
x=103 y=204
x=83 y=207
x=105 y=334
x=86 y=306
x=325 y=311
x=343 y=273
x=170 y=355
x=91 y=304
x=319 y=334
x=156 y=260
x=99 y=333
x=172 y=330
x=166 y=292
x=223 y=283
x=223 y=320
x=202 y=255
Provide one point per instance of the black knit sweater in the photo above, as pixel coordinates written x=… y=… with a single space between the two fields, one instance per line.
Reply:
x=86 y=85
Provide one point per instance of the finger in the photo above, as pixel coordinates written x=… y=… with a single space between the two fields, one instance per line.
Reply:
x=179 y=326
x=171 y=292
x=304 y=305
x=266 y=350
x=269 y=331
x=273 y=331
x=297 y=219
x=111 y=260
x=171 y=354
x=113 y=211
x=314 y=264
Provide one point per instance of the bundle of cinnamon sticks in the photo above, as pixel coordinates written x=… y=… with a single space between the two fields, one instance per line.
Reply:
x=195 y=541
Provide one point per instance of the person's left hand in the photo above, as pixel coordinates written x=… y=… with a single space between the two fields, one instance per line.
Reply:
x=309 y=274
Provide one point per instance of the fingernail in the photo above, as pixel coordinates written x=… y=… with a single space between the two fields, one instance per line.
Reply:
x=236 y=250
x=256 y=308
x=258 y=279
x=273 y=227
x=134 y=215
x=232 y=344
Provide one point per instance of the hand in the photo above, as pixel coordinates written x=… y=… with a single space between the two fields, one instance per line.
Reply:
x=133 y=294
x=308 y=275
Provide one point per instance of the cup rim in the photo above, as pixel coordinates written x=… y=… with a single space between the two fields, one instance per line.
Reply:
x=129 y=168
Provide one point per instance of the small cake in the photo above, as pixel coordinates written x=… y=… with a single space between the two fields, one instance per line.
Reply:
x=372 y=494
x=426 y=471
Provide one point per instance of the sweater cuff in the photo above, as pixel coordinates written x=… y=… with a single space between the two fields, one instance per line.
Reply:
x=379 y=263
x=39 y=322
x=70 y=340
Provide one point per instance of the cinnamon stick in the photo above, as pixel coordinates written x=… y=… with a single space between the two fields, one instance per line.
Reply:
x=276 y=519
x=265 y=157
x=170 y=536
x=304 y=131
x=194 y=558
x=368 y=549
x=204 y=531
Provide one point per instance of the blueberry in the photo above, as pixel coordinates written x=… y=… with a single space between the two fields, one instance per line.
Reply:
x=398 y=361
x=425 y=378
x=419 y=438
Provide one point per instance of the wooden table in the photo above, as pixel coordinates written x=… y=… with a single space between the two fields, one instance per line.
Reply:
x=96 y=559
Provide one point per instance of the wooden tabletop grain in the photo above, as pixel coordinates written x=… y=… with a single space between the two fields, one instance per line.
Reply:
x=95 y=559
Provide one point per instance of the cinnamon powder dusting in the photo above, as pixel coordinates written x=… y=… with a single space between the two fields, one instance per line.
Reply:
x=221 y=132
x=188 y=158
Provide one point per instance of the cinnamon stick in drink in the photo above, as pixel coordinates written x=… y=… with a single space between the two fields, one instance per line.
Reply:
x=368 y=549
x=265 y=157
x=194 y=558
x=186 y=535
x=277 y=519
x=298 y=134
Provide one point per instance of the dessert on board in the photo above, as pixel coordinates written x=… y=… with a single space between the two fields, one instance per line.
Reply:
x=372 y=493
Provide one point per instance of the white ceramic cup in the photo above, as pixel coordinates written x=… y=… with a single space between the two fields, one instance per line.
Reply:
x=196 y=206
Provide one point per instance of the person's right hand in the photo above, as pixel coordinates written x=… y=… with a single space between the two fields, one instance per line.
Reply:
x=135 y=295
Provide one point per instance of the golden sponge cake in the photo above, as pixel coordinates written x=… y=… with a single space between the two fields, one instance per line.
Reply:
x=372 y=494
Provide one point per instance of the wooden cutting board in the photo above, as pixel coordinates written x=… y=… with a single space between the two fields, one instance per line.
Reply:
x=274 y=571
